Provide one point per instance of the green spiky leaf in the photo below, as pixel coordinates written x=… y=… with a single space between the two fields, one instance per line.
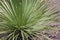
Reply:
x=22 y=18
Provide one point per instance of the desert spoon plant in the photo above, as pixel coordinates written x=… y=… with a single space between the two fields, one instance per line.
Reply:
x=22 y=19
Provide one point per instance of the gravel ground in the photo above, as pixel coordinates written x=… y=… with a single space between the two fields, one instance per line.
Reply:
x=54 y=34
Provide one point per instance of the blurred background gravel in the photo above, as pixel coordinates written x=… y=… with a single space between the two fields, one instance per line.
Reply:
x=54 y=34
